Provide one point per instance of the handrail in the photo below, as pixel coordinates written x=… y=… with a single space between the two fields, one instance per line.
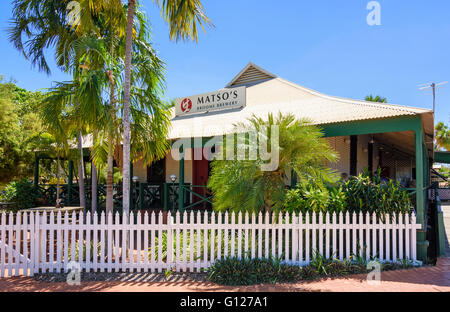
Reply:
x=145 y=196
x=203 y=199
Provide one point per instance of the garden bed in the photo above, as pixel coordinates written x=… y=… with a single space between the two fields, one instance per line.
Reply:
x=234 y=272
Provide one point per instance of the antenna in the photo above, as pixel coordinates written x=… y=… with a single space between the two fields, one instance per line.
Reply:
x=432 y=86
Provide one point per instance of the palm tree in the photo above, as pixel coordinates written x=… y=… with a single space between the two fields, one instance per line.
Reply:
x=442 y=134
x=379 y=99
x=184 y=18
x=65 y=110
x=43 y=24
x=104 y=58
x=242 y=185
x=105 y=26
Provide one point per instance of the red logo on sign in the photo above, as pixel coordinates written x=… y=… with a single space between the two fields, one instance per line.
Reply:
x=186 y=105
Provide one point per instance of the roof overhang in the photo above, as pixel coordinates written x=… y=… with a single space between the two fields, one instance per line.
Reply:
x=442 y=157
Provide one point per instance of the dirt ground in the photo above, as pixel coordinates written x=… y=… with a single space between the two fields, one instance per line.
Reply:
x=425 y=279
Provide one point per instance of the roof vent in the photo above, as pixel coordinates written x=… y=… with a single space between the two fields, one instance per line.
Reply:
x=250 y=74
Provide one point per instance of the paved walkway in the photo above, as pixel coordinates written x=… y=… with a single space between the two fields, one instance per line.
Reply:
x=425 y=279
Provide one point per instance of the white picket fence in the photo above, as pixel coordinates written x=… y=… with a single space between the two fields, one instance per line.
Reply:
x=33 y=243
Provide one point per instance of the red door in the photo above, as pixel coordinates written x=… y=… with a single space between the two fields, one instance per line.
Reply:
x=200 y=178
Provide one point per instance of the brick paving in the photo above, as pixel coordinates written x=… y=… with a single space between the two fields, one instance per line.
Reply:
x=424 y=279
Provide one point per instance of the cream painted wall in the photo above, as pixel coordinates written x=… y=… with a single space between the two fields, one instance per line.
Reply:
x=140 y=170
x=362 y=153
x=172 y=166
x=343 y=149
x=342 y=146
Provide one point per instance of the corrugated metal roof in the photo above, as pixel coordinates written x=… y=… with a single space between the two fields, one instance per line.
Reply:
x=279 y=95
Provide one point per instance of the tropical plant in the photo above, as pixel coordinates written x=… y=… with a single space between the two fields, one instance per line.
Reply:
x=234 y=271
x=379 y=99
x=22 y=194
x=242 y=185
x=442 y=135
x=93 y=50
x=311 y=197
x=197 y=241
x=19 y=126
x=245 y=271
x=372 y=195
x=103 y=60
x=37 y=25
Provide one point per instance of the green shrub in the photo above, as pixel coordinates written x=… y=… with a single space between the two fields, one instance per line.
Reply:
x=371 y=194
x=334 y=267
x=309 y=273
x=181 y=236
x=233 y=271
x=21 y=193
x=77 y=251
x=400 y=264
x=359 y=194
x=313 y=197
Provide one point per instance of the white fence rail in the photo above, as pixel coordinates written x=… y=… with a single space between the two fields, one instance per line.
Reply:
x=33 y=243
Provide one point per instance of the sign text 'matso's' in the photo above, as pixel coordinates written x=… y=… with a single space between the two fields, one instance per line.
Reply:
x=212 y=101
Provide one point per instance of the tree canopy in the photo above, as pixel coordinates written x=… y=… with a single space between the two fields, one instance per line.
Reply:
x=379 y=99
x=442 y=135
x=21 y=130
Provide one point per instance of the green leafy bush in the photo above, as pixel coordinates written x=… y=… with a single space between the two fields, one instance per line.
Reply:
x=400 y=264
x=21 y=193
x=233 y=271
x=372 y=194
x=313 y=197
x=359 y=194
x=194 y=245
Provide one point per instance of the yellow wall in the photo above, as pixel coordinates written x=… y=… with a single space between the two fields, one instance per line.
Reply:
x=140 y=171
x=172 y=167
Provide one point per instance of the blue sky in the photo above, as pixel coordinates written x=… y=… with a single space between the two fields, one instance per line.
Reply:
x=325 y=45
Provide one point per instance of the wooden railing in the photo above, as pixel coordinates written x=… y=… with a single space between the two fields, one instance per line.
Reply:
x=145 y=196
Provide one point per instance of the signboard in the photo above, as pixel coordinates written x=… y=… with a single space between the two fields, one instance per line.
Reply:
x=212 y=101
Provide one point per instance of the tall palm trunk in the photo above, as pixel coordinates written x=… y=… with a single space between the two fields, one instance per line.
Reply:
x=81 y=173
x=94 y=182
x=57 y=180
x=110 y=167
x=94 y=188
x=126 y=110
x=109 y=179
